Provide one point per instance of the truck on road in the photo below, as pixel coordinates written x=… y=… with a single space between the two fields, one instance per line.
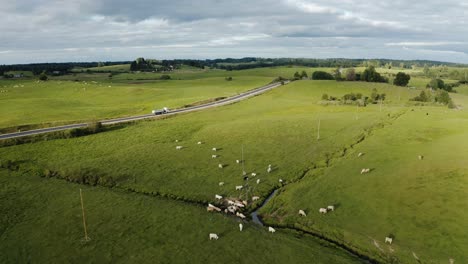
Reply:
x=163 y=111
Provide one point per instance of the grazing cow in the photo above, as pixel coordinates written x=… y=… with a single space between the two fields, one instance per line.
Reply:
x=365 y=171
x=240 y=227
x=255 y=198
x=220 y=166
x=302 y=213
x=323 y=210
x=253 y=174
x=214 y=156
x=280 y=180
x=237 y=161
x=331 y=208
x=239 y=187
x=219 y=197
x=420 y=157
x=244 y=202
x=214 y=149
x=178 y=147
x=271 y=229
x=269 y=169
x=240 y=215
x=232 y=209
x=199 y=142
x=389 y=240
x=213 y=236
x=244 y=173
x=258 y=181
x=176 y=140
x=212 y=207
x=239 y=204
x=221 y=183
x=360 y=154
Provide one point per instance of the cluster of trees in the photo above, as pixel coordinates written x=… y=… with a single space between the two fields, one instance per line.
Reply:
x=49 y=68
x=302 y=75
x=371 y=75
x=353 y=98
x=440 y=96
x=322 y=75
x=440 y=84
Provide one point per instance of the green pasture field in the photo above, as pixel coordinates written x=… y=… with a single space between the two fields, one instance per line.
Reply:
x=402 y=195
x=41 y=222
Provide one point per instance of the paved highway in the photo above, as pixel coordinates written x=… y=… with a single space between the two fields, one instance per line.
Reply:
x=228 y=100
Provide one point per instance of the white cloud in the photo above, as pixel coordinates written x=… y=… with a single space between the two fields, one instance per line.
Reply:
x=425 y=44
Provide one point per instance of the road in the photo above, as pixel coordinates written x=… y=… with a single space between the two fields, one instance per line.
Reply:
x=226 y=101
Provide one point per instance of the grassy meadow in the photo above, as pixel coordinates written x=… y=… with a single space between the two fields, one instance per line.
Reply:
x=133 y=228
x=155 y=204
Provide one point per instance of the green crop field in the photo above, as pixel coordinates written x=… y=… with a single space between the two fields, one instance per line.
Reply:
x=147 y=199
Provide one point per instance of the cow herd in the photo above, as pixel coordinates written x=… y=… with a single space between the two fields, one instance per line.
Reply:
x=234 y=206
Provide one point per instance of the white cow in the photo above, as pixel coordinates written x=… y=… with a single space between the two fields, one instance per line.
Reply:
x=331 y=208
x=389 y=240
x=258 y=181
x=219 y=197
x=213 y=236
x=239 y=187
x=271 y=229
x=280 y=180
x=214 y=149
x=221 y=183
x=253 y=174
x=240 y=215
x=360 y=154
x=212 y=207
x=199 y=142
x=214 y=156
x=241 y=227
x=302 y=213
x=269 y=169
x=237 y=161
x=420 y=157
x=176 y=140
x=178 y=147
x=232 y=209
x=323 y=210
x=239 y=204
x=365 y=171
x=220 y=166
x=255 y=198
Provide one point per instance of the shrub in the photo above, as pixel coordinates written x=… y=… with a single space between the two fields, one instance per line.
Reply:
x=228 y=78
x=321 y=75
x=401 y=79
x=325 y=97
x=165 y=77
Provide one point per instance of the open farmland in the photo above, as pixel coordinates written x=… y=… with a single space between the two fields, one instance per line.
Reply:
x=138 y=166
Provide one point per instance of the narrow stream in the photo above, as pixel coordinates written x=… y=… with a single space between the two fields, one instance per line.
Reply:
x=254 y=214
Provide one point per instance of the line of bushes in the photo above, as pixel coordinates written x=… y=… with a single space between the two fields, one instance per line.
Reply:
x=92 y=128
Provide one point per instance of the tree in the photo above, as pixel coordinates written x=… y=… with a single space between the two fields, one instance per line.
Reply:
x=325 y=97
x=337 y=74
x=370 y=75
x=304 y=74
x=351 y=74
x=436 y=84
x=43 y=76
x=401 y=79
x=426 y=70
x=321 y=75
x=297 y=76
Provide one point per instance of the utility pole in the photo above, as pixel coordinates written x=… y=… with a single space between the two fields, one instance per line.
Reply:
x=86 y=238
x=242 y=161
x=318 y=130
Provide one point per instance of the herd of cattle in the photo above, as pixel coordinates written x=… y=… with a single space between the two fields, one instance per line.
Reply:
x=235 y=206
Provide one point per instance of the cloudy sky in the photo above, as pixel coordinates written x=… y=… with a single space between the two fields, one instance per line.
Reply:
x=102 y=30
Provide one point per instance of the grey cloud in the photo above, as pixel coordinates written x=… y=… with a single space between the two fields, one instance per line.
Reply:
x=57 y=30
